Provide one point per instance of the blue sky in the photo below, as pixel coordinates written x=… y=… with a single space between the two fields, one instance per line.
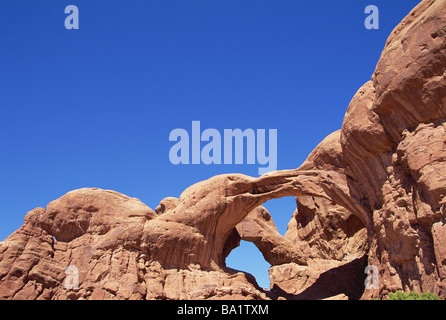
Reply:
x=94 y=107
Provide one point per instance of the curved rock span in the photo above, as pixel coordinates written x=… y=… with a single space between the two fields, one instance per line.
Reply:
x=371 y=194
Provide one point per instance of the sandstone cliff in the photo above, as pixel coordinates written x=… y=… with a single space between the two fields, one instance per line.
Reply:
x=372 y=193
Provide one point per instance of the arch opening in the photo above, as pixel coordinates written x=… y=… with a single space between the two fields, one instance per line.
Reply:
x=281 y=211
x=247 y=258
x=316 y=234
x=250 y=246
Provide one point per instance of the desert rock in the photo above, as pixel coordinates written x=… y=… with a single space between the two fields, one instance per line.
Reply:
x=371 y=194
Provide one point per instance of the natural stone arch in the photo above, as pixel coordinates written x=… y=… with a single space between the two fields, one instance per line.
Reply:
x=387 y=162
x=207 y=212
x=259 y=228
x=318 y=228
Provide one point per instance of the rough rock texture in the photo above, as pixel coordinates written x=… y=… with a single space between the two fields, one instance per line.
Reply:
x=372 y=193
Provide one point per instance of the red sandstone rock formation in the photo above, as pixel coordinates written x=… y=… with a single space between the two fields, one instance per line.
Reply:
x=372 y=193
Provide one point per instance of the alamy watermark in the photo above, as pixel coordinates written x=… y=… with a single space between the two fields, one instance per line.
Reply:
x=71 y=281
x=372 y=20
x=188 y=148
x=72 y=20
x=372 y=280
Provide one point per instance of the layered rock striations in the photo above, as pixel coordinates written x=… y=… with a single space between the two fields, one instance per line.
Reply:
x=371 y=194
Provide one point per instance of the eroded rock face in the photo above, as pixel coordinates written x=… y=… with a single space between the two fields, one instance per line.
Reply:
x=372 y=193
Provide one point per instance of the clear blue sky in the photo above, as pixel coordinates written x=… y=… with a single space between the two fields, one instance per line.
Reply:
x=94 y=107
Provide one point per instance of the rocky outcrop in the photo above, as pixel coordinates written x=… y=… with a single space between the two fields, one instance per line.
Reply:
x=371 y=194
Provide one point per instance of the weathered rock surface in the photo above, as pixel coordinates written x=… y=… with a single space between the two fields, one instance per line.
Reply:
x=372 y=193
